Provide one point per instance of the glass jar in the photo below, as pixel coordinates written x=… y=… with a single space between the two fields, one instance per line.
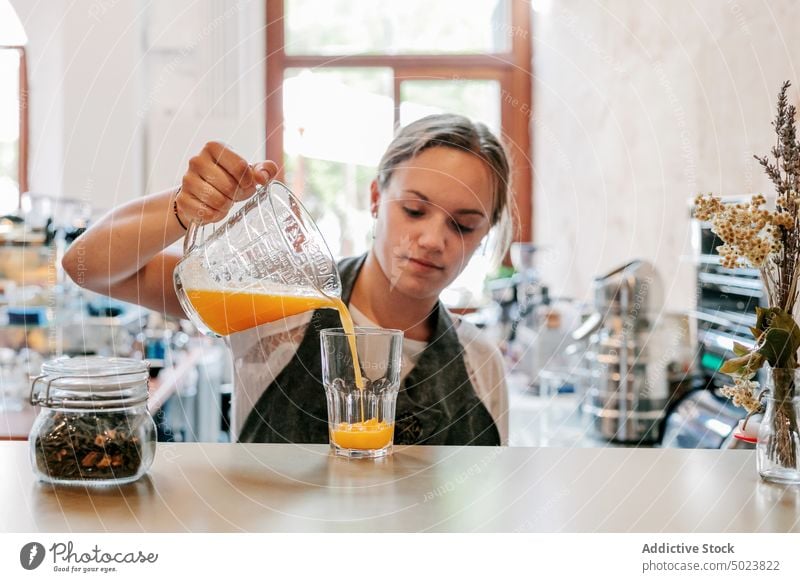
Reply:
x=94 y=427
x=778 y=445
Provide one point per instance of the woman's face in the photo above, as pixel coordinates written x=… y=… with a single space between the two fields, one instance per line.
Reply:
x=431 y=217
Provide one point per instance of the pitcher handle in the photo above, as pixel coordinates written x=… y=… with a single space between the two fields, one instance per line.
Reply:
x=189 y=238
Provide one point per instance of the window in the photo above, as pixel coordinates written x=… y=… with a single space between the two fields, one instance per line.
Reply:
x=342 y=73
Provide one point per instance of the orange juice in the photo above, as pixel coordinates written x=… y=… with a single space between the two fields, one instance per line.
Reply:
x=347 y=325
x=370 y=434
x=226 y=312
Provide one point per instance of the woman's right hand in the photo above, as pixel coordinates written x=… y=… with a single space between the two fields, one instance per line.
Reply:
x=217 y=177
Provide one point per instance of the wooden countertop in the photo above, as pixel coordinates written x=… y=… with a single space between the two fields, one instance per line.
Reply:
x=280 y=488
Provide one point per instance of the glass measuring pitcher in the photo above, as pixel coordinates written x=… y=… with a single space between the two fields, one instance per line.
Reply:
x=266 y=262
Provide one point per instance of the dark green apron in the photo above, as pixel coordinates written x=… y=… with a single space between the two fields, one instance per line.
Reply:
x=436 y=404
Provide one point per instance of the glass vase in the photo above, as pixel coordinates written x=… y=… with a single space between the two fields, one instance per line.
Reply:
x=778 y=448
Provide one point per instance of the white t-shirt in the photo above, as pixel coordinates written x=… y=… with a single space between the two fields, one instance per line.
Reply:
x=261 y=353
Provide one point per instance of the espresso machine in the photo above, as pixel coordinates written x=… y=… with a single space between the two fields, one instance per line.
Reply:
x=629 y=351
x=517 y=295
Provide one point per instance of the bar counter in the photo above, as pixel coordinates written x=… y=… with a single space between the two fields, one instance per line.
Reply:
x=284 y=488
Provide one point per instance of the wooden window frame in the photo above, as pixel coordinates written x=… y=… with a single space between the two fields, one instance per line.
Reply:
x=511 y=69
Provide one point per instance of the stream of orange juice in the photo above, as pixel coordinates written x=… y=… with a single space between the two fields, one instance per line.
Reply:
x=226 y=312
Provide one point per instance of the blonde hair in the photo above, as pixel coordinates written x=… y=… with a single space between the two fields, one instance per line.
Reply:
x=459 y=132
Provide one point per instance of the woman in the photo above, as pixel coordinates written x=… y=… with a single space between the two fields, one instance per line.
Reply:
x=442 y=184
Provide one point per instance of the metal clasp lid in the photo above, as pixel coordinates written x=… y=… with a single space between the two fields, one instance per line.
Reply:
x=44 y=397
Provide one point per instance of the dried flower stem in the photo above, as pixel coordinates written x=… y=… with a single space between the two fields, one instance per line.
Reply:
x=782 y=449
x=785 y=175
x=770 y=242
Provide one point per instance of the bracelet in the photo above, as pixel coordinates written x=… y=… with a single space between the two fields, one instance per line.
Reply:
x=175 y=209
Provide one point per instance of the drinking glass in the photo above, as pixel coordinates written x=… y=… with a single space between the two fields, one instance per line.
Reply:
x=361 y=420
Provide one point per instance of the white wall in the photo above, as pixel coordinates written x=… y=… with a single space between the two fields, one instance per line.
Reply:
x=44 y=50
x=204 y=81
x=637 y=107
x=123 y=93
x=101 y=82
